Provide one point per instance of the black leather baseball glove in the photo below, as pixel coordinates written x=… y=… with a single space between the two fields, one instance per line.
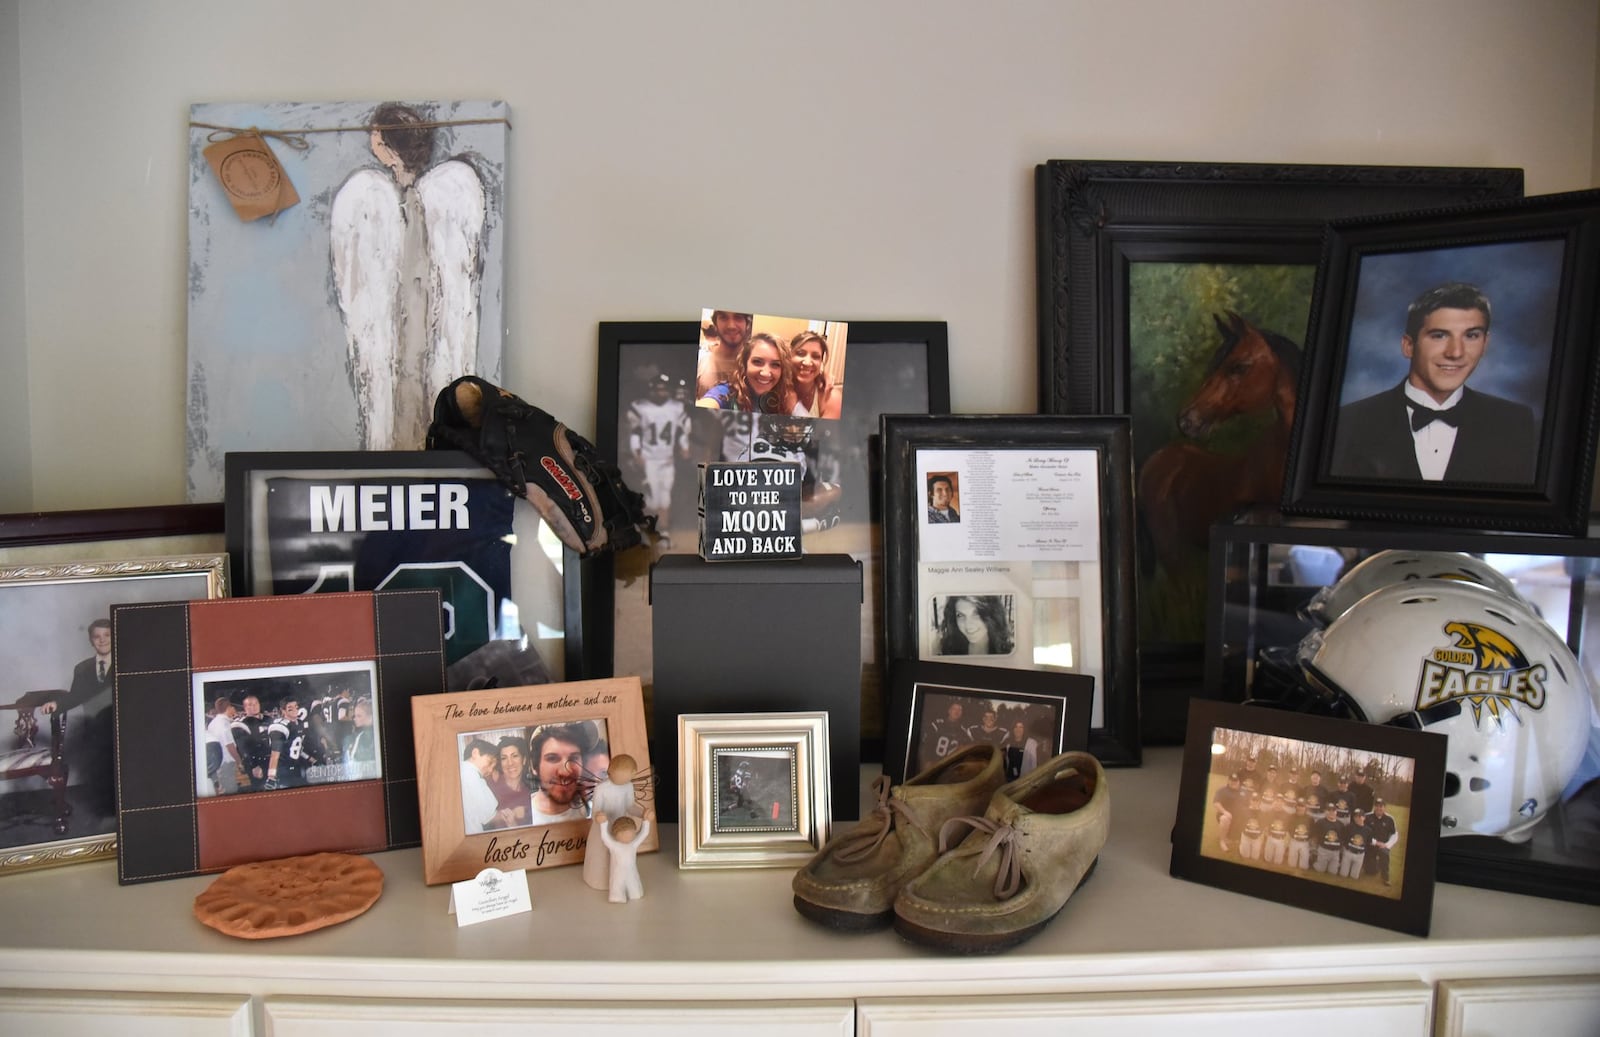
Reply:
x=578 y=492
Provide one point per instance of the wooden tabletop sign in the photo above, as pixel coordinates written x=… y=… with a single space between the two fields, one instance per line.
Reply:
x=749 y=511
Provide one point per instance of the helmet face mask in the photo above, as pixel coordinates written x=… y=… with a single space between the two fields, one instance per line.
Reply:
x=1455 y=658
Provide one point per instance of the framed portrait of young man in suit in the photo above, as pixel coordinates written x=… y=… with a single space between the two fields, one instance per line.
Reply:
x=1451 y=369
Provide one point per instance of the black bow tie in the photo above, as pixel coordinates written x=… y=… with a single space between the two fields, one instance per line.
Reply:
x=1421 y=416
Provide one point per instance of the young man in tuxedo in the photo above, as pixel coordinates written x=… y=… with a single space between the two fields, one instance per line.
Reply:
x=1431 y=426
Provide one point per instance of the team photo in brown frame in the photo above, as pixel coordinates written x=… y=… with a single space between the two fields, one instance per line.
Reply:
x=1159 y=284
x=1453 y=369
x=1237 y=830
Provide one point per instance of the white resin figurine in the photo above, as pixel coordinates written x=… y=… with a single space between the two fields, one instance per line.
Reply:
x=613 y=796
x=624 y=852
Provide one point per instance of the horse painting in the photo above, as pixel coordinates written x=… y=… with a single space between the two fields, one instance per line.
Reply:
x=1186 y=485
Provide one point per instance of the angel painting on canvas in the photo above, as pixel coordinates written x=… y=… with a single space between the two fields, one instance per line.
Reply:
x=406 y=249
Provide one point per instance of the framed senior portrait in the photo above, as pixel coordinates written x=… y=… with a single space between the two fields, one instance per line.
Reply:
x=892 y=367
x=311 y=775
x=1038 y=575
x=938 y=708
x=312 y=522
x=1453 y=369
x=754 y=789
x=1336 y=816
x=57 y=790
x=512 y=777
x=1178 y=294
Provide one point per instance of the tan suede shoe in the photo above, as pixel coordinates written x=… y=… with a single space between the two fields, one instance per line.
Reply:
x=1011 y=870
x=851 y=883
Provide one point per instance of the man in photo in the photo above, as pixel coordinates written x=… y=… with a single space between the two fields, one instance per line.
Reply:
x=720 y=362
x=90 y=737
x=557 y=755
x=250 y=735
x=478 y=804
x=1381 y=837
x=941 y=491
x=944 y=736
x=1431 y=426
x=989 y=730
x=222 y=755
x=360 y=749
x=1227 y=804
x=289 y=748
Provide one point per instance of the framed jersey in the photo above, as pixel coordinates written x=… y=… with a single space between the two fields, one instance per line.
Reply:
x=181 y=664
x=316 y=522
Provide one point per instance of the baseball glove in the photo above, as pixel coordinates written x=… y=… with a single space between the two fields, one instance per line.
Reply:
x=578 y=492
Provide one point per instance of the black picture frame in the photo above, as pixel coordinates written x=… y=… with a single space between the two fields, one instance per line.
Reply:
x=1219 y=731
x=544 y=574
x=1106 y=577
x=1096 y=219
x=1340 y=463
x=1055 y=708
x=892 y=365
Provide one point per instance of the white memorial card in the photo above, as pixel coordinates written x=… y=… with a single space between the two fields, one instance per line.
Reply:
x=491 y=893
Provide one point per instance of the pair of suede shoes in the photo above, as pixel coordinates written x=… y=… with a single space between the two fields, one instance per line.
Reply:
x=958 y=861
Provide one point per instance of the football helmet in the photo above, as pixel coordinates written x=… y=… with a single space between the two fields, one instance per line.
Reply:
x=1453 y=657
x=1397 y=566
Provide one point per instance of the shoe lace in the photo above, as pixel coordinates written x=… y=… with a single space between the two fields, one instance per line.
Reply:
x=862 y=842
x=1003 y=838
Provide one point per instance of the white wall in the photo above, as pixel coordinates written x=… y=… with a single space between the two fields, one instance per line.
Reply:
x=838 y=157
x=16 y=472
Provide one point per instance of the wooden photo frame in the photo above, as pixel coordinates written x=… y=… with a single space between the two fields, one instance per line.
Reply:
x=57 y=791
x=315 y=521
x=1157 y=281
x=570 y=731
x=1041 y=561
x=173 y=657
x=1485 y=316
x=893 y=367
x=754 y=789
x=1234 y=831
x=937 y=708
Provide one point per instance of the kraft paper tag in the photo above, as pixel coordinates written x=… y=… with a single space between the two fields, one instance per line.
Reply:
x=492 y=893
x=251 y=175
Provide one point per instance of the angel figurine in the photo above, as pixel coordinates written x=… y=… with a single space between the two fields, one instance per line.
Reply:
x=615 y=794
x=405 y=245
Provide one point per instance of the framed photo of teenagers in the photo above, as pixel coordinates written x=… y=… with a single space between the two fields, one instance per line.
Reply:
x=313 y=522
x=512 y=777
x=57 y=756
x=754 y=789
x=1009 y=543
x=647 y=418
x=937 y=708
x=1178 y=293
x=1452 y=374
x=314 y=691
x=1335 y=816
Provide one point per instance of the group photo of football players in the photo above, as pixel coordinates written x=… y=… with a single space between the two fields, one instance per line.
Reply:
x=287 y=728
x=1325 y=813
x=522 y=776
x=1027 y=733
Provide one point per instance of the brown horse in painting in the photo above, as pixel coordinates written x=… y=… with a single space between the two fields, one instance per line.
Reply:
x=1184 y=487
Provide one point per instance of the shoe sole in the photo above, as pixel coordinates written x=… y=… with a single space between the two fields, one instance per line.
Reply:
x=982 y=943
x=844 y=921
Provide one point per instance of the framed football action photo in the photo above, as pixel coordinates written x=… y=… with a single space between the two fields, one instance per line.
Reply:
x=316 y=692
x=314 y=522
x=514 y=778
x=754 y=789
x=938 y=708
x=1452 y=375
x=57 y=739
x=1037 y=574
x=1335 y=816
